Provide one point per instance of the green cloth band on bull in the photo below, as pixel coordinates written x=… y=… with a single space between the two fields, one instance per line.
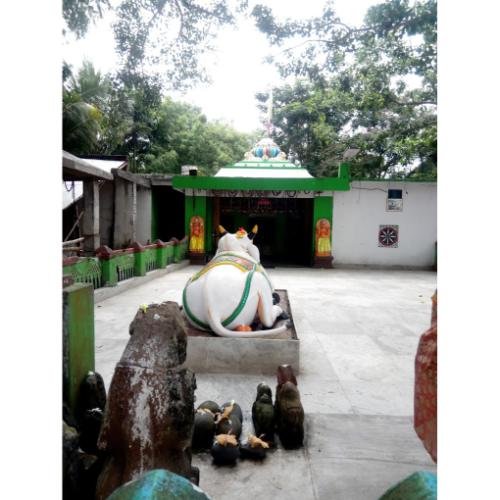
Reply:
x=232 y=316
x=243 y=300
x=190 y=315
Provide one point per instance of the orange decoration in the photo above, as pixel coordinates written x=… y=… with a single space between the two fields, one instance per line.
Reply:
x=243 y=328
x=197 y=234
x=323 y=245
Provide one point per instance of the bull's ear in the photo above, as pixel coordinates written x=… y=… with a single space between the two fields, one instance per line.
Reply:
x=253 y=232
x=222 y=231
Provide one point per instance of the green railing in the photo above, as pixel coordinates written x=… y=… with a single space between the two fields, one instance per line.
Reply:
x=151 y=257
x=124 y=261
x=180 y=248
x=109 y=266
x=118 y=265
x=84 y=270
x=169 y=252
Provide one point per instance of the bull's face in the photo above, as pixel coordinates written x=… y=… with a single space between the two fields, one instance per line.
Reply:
x=241 y=241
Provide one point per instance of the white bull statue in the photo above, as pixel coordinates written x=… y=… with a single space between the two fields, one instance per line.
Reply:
x=228 y=293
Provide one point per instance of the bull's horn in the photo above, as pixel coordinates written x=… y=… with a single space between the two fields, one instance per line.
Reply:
x=222 y=231
x=253 y=232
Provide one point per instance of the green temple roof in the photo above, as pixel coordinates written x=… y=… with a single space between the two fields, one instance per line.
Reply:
x=265 y=167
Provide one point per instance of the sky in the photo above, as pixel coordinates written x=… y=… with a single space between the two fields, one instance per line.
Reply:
x=236 y=67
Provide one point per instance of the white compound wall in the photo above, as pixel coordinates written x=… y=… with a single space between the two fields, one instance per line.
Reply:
x=358 y=214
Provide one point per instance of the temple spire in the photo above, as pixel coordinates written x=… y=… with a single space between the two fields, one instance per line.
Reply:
x=269 y=125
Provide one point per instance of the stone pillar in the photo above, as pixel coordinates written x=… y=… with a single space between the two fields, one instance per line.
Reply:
x=78 y=338
x=143 y=217
x=149 y=416
x=125 y=213
x=91 y=216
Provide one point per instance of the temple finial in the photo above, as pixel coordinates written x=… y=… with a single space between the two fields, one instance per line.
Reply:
x=269 y=125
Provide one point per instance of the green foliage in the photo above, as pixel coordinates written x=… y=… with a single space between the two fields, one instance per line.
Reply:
x=183 y=136
x=168 y=33
x=126 y=115
x=84 y=98
x=372 y=88
x=162 y=38
x=81 y=124
x=78 y=14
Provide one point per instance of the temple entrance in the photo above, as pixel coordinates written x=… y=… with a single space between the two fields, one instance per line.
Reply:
x=285 y=226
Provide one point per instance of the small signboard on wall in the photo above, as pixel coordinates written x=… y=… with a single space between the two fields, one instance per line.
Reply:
x=394 y=200
x=394 y=205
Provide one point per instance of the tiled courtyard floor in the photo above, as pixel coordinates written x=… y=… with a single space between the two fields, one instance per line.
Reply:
x=358 y=332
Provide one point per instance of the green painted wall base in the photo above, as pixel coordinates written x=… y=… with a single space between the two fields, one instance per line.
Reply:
x=78 y=339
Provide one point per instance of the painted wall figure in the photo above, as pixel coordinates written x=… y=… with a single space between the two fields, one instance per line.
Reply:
x=196 y=234
x=232 y=289
x=323 y=238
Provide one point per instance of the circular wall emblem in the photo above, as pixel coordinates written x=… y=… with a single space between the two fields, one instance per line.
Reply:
x=388 y=236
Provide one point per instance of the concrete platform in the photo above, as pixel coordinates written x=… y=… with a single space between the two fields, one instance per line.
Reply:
x=358 y=331
x=209 y=353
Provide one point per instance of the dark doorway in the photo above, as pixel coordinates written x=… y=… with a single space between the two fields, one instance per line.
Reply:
x=168 y=216
x=285 y=225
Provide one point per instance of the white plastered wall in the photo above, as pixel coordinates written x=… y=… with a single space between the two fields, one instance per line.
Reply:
x=358 y=214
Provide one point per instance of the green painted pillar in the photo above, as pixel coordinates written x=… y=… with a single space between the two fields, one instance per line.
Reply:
x=78 y=338
x=323 y=209
x=197 y=206
x=170 y=252
x=109 y=274
x=161 y=254
x=344 y=171
x=176 y=248
x=139 y=259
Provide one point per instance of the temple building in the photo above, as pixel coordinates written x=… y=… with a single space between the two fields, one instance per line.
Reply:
x=293 y=209
x=302 y=220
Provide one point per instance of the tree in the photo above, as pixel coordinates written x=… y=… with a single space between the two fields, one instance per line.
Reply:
x=78 y=14
x=372 y=87
x=183 y=136
x=126 y=115
x=84 y=103
x=161 y=38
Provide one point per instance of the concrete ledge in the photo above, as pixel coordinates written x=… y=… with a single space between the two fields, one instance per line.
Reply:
x=226 y=355
x=208 y=353
x=122 y=286
x=382 y=267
